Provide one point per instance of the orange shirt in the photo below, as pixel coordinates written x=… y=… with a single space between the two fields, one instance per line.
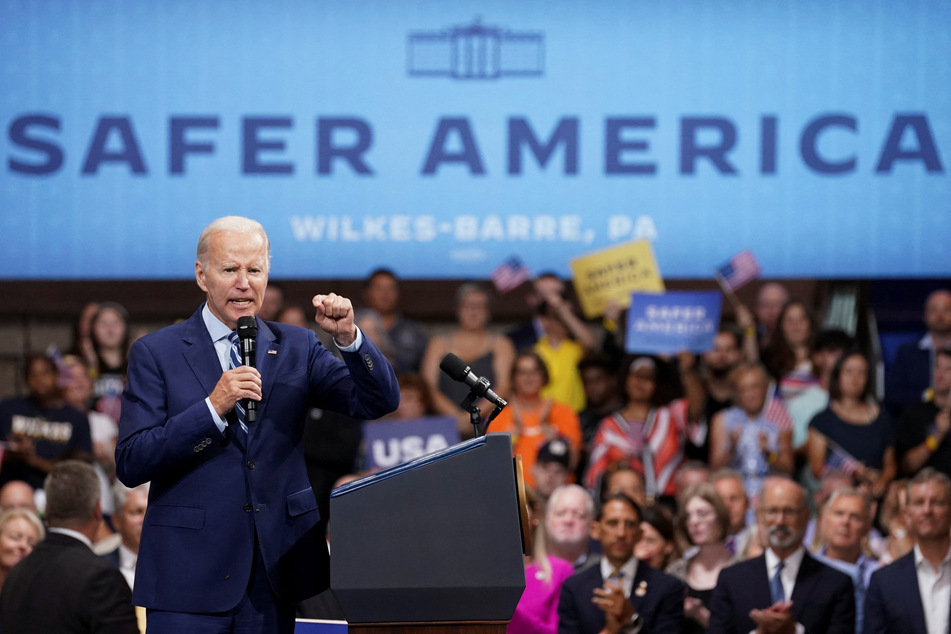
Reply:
x=561 y=417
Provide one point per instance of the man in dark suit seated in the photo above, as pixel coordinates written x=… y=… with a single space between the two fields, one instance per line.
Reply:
x=623 y=594
x=784 y=590
x=62 y=586
x=913 y=594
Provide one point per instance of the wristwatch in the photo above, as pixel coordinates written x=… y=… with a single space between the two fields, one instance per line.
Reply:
x=633 y=626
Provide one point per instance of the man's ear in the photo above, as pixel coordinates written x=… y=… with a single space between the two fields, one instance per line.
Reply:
x=200 y=276
x=595 y=530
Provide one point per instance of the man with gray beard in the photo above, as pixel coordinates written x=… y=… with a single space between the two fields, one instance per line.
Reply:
x=785 y=590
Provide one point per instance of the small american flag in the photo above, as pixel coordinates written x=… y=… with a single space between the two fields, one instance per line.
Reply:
x=738 y=270
x=775 y=411
x=510 y=274
x=838 y=459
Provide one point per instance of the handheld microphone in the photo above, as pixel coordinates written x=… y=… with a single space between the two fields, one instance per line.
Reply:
x=457 y=370
x=247 y=332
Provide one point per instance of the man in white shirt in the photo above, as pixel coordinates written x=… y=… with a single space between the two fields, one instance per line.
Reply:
x=913 y=595
x=621 y=595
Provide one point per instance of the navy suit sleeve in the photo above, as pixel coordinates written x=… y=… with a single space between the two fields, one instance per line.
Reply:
x=150 y=441
x=842 y=620
x=721 y=607
x=875 y=622
x=366 y=389
x=569 y=618
x=669 y=616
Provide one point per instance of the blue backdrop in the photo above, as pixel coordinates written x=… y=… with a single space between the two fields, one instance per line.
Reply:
x=439 y=138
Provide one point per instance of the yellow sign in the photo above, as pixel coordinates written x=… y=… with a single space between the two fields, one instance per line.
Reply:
x=615 y=273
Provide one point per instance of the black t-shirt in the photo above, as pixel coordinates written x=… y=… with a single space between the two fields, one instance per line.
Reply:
x=53 y=431
x=916 y=424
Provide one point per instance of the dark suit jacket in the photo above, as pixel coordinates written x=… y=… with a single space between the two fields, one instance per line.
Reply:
x=64 y=587
x=212 y=497
x=823 y=599
x=661 y=607
x=893 y=602
x=908 y=377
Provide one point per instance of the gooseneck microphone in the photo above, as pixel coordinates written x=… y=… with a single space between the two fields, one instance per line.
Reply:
x=457 y=370
x=247 y=332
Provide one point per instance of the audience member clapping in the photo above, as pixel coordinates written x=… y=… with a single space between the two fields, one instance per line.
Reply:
x=922 y=439
x=754 y=437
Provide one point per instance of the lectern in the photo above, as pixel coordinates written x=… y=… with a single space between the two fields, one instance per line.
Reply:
x=434 y=545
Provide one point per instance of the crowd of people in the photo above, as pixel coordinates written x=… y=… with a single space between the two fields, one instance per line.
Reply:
x=722 y=492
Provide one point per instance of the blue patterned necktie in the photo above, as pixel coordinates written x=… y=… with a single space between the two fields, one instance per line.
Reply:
x=235 y=362
x=776 y=584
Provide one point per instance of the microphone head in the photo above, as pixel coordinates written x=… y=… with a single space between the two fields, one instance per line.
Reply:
x=456 y=368
x=247 y=328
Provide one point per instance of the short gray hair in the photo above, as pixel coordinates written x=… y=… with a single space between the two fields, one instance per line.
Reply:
x=927 y=475
x=235 y=224
x=121 y=493
x=851 y=492
x=566 y=488
x=72 y=492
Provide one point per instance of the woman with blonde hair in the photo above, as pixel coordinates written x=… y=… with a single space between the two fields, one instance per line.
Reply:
x=537 y=610
x=20 y=531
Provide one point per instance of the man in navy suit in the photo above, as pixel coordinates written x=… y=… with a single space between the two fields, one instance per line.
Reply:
x=784 y=590
x=622 y=594
x=231 y=539
x=911 y=373
x=913 y=594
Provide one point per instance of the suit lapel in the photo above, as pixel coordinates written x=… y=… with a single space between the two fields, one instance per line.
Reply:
x=267 y=359
x=909 y=579
x=805 y=580
x=641 y=586
x=761 y=595
x=200 y=353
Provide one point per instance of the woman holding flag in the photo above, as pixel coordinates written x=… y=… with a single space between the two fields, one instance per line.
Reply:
x=854 y=434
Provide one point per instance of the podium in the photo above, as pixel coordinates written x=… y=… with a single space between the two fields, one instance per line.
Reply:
x=434 y=545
